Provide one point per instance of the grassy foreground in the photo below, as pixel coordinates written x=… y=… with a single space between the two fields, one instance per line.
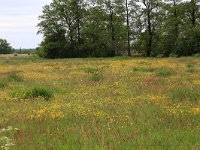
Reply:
x=99 y=104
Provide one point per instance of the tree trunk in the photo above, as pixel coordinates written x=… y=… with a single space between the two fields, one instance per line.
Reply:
x=193 y=12
x=176 y=23
x=149 y=46
x=112 y=31
x=150 y=34
x=128 y=29
x=78 y=22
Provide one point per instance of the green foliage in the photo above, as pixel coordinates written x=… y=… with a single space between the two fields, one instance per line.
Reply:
x=83 y=31
x=5 y=47
x=111 y=28
x=25 y=51
x=37 y=92
x=184 y=94
x=51 y=50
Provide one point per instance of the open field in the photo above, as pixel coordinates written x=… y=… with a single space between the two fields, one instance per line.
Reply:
x=13 y=55
x=115 y=103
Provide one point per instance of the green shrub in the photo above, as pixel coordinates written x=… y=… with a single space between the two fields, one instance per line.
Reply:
x=38 y=92
x=15 y=78
x=165 y=72
x=182 y=94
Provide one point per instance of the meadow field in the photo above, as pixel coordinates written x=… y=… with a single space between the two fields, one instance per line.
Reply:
x=100 y=104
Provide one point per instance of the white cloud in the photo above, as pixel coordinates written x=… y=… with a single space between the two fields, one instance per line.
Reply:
x=18 y=21
x=9 y=23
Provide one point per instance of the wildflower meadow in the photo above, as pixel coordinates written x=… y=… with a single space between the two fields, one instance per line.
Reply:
x=100 y=103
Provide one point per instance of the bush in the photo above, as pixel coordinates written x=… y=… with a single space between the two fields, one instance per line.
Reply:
x=37 y=92
x=52 y=50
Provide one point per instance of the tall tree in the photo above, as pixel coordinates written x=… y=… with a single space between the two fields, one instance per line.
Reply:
x=5 y=47
x=191 y=27
x=80 y=28
x=128 y=28
x=111 y=17
x=150 y=20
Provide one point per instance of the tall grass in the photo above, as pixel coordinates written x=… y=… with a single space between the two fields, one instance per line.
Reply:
x=185 y=94
x=37 y=92
x=3 y=84
x=102 y=103
x=14 y=77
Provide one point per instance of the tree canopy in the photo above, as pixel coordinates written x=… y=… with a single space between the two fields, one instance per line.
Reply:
x=5 y=47
x=102 y=28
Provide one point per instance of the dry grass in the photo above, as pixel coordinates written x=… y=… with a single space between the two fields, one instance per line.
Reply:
x=13 y=55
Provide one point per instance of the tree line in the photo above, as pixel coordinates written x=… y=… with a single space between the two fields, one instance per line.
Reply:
x=103 y=28
x=6 y=48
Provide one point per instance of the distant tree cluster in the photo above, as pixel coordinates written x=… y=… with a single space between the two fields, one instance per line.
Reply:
x=5 y=47
x=101 y=28
x=25 y=51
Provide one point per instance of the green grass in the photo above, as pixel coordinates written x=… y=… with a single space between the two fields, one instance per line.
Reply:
x=3 y=84
x=96 y=77
x=161 y=72
x=94 y=74
x=37 y=92
x=14 y=78
x=185 y=94
x=145 y=69
x=165 y=72
x=91 y=70
x=191 y=68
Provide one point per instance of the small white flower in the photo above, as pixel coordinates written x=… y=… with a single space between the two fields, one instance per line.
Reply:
x=4 y=138
x=16 y=129
x=2 y=130
x=10 y=128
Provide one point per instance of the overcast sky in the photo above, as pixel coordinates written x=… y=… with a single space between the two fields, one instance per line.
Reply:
x=18 y=21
